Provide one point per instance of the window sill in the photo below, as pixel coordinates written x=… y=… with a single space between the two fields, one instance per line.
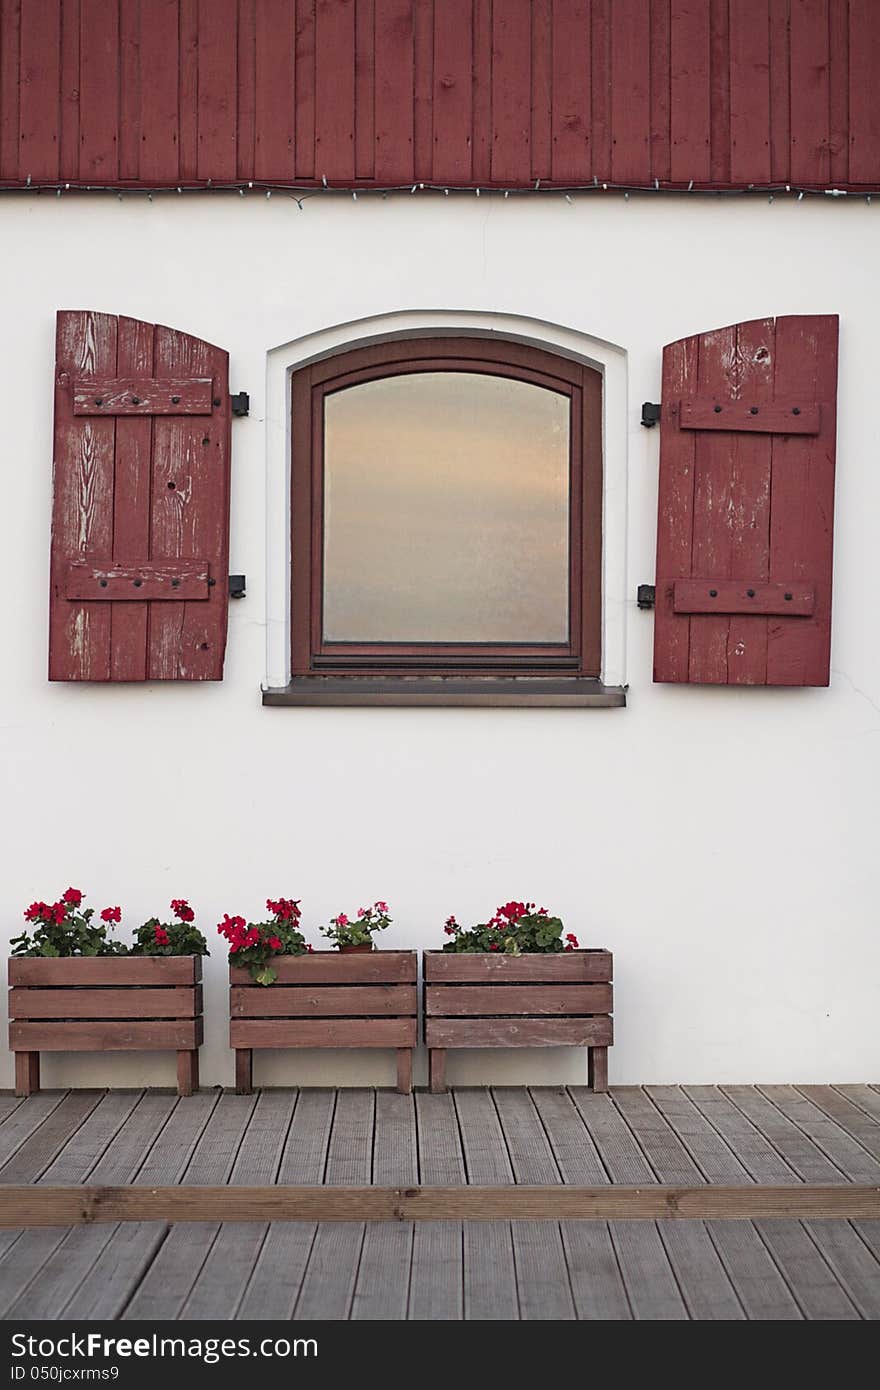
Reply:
x=481 y=692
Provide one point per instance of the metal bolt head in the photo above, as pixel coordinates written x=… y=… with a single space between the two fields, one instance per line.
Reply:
x=750 y=592
x=135 y=400
x=718 y=410
x=137 y=583
x=795 y=410
x=217 y=400
x=99 y=400
x=788 y=597
x=713 y=593
x=753 y=410
x=175 y=400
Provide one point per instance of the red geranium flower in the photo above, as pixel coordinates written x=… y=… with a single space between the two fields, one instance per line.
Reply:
x=274 y=943
x=287 y=909
x=161 y=936
x=111 y=914
x=182 y=910
x=34 y=912
x=57 y=913
x=72 y=896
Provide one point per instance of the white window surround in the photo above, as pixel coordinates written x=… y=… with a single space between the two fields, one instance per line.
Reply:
x=287 y=358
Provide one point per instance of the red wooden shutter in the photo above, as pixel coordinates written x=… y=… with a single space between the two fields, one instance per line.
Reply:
x=746 y=506
x=140 y=523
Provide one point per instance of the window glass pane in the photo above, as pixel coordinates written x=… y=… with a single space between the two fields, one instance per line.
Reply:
x=446 y=510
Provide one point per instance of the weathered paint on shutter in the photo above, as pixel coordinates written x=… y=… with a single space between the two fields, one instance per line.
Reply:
x=747 y=449
x=134 y=493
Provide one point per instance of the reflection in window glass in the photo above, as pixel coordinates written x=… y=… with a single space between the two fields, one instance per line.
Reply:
x=446 y=510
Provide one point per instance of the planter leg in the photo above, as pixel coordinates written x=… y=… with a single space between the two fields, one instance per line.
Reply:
x=597 y=1068
x=187 y=1072
x=27 y=1073
x=244 y=1071
x=404 y=1070
x=437 y=1069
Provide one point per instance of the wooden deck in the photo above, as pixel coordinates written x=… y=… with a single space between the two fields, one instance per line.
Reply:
x=732 y=1136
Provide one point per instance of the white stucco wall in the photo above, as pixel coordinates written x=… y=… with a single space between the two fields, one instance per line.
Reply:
x=722 y=842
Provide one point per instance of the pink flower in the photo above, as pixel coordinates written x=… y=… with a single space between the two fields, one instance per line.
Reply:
x=341 y=920
x=364 y=911
x=381 y=907
x=111 y=914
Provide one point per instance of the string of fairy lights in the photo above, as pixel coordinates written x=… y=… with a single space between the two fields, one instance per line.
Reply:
x=570 y=193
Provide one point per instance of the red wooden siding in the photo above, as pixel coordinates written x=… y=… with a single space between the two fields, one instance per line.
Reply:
x=140 y=523
x=746 y=508
x=503 y=93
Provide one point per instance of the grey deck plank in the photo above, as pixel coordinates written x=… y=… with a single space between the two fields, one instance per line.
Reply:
x=847 y=1153
x=436 y=1282
x=277 y=1276
x=217 y=1149
x=8 y=1105
x=542 y=1281
x=760 y=1287
x=225 y=1274
x=870 y=1233
x=42 y=1146
x=614 y=1141
x=259 y=1154
x=350 y=1153
x=647 y=1274
x=84 y=1148
x=482 y=1138
x=528 y=1147
x=752 y=1149
x=861 y=1127
x=666 y=1153
x=441 y=1163
x=866 y=1098
x=381 y=1292
x=66 y=1268
x=709 y=1151
x=490 y=1289
x=125 y=1153
x=857 y=1268
x=24 y=1259
x=702 y=1279
x=799 y=1152
x=169 y=1154
x=807 y=1274
x=328 y=1283
x=395 y=1152
x=596 y=1283
x=304 y=1156
x=167 y=1282
x=117 y=1272
x=25 y=1119
x=575 y=1153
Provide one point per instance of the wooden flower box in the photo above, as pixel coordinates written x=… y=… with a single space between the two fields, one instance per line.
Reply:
x=105 y=1004
x=562 y=1000
x=327 y=999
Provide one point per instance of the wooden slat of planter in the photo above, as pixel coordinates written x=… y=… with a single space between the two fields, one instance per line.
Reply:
x=331 y=968
x=341 y=1032
x=39 y=971
x=180 y=1002
x=157 y=1035
x=569 y=967
x=351 y=1001
x=472 y=1000
x=518 y=1032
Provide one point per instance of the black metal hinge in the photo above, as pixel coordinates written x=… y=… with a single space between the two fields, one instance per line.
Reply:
x=241 y=403
x=650 y=414
x=237 y=586
x=646 y=595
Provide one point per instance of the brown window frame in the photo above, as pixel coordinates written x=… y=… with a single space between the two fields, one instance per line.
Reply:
x=580 y=656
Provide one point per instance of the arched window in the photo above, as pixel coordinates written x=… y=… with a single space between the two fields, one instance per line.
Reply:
x=447 y=515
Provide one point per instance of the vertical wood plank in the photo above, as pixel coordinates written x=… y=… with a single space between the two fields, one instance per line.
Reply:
x=436 y=1282
x=277 y=1276
x=630 y=91
x=334 y=90
x=760 y=1287
x=275 y=90
x=690 y=102
x=802 y=499
x=131 y=505
x=571 y=92
x=246 y=113
x=218 y=80
x=490 y=1289
x=675 y=510
x=395 y=1152
x=82 y=510
x=542 y=1278
x=350 y=1153
x=482 y=1138
x=304 y=1156
x=482 y=91
x=328 y=1283
x=838 y=79
x=750 y=93
x=395 y=79
x=864 y=109
x=99 y=91
x=650 y=1284
x=304 y=89
x=365 y=94
x=453 y=91
x=660 y=87
x=511 y=88
x=702 y=1278
x=40 y=83
x=188 y=89
x=423 y=88
x=807 y=1274
x=130 y=103
x=541 y=89
x=810 y=92
x=441 y=1163
x=10 y=89
x=720 y=90
x=780 y=93
x=69 y=139
x=382 y=1289
x=596 y=1284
